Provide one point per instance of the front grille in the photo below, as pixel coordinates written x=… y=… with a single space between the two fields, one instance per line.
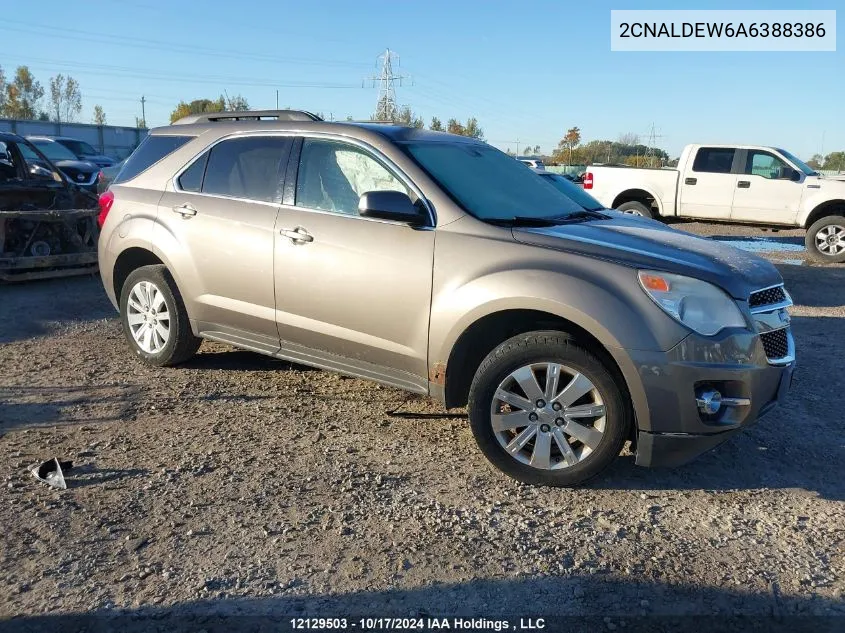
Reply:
x=767 y=297
x=776 y=343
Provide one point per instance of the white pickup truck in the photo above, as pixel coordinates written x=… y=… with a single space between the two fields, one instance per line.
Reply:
x=751 y=184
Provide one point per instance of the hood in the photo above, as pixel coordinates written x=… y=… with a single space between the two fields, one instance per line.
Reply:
x=78 y=165
x=99 y=159
x=648 y=244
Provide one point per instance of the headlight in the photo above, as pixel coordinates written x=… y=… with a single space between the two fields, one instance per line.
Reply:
x=700 y=306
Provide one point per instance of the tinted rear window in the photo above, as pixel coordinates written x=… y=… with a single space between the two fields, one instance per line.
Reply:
x=151 y=150
x=716 y=160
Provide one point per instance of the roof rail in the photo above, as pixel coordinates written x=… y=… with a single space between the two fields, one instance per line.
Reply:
x=249 y=115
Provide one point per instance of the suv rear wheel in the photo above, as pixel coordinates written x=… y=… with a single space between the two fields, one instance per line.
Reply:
x=825 y=239
x=154 y=318
x=546 y=411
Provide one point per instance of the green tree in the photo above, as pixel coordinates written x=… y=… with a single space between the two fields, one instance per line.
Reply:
x=141 y=123
x=436 y=125
x=23 y=95
x=536 y=150
x=65 y=98
x=572 y=138
x=835 y=161
x=99 y=115
x=454 y=127
x=473 y=130
x=407 y=117
x=816 y=161
x=197 y=106
x=236 y=103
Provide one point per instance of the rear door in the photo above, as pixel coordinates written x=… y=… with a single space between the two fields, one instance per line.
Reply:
x=351 y=292
x=765 y=192
x=707 y=185
x=222 y=212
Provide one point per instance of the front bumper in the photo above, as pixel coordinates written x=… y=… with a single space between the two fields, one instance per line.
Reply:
x=735 y=364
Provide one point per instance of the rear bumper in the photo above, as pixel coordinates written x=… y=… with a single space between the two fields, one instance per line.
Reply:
x=676 y=432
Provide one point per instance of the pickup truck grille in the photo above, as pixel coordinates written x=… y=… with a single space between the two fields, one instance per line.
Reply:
x=768 y=308
x=766 y=297
x=776 y=343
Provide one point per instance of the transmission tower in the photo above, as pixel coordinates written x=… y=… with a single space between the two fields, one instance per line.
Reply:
x=651 y=143
x=386 y=109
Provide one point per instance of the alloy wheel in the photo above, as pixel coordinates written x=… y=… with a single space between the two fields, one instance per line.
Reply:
x=148 y=317
x=830 y=239
x=548 y=415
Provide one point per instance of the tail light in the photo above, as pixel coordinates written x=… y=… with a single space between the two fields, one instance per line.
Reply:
x=106 y=200
x=588 y=180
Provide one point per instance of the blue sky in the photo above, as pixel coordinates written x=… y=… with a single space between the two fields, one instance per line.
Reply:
x=527 y=71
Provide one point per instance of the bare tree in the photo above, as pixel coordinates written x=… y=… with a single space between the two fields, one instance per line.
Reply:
x=629 y=138
x=65 y=98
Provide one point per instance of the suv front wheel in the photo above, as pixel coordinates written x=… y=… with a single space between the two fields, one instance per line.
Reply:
x=546 y=411
x=154 y=318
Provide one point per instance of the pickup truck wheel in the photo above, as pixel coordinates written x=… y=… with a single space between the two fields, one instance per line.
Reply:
x=154 y=318
x=635 y=208
x=825 y=239
x=545 y=411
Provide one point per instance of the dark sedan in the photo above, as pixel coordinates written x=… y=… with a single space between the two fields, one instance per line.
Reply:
x=83 y=174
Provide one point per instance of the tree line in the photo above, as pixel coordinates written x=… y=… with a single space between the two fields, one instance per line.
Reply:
x=22 y=97
x=834 y=161
x=626 y=150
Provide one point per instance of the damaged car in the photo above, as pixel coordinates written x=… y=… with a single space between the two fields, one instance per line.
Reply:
x=48 y=224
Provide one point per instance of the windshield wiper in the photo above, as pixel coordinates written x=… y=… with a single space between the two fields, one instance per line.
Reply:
x=575 y=216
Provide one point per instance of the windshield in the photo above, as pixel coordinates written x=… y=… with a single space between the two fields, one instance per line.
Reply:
x=800 y=164
x=80 y=148
x=54 y=151
x=489 y=184
x=570 y=189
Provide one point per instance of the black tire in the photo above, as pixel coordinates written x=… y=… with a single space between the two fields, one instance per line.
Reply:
x=811 y=243
x=181 y=344
x=540 y=347
x=636 y=208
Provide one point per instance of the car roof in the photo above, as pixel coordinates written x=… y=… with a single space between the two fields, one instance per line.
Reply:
x=40 y=138
x=10 y=137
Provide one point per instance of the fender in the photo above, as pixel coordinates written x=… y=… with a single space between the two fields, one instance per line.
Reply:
x=132 y=230
x=819 y=197
x=650 y=191
x=618 y=314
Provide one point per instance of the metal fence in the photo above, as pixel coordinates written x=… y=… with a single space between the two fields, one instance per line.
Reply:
x=117 y=142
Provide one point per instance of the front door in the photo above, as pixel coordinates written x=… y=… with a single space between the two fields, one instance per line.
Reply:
x=765 y=192
x=353 y=291
x=221 y=216
x=707 y=188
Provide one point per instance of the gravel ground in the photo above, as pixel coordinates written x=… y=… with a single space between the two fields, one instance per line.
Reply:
x=239 y=484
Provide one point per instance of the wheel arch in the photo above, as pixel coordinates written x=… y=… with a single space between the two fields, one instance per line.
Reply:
x=485 y=333
x=644 y=196
x=824 y=209
x=129 y=260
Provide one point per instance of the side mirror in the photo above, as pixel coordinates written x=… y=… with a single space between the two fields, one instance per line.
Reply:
x=389 y=205
x=794 y=174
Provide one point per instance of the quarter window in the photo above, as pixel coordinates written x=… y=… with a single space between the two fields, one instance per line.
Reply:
x=333 y=176
x=151 y=150
x=759 y=163
x=715 y=160
x=191 y=178
x=249 y=167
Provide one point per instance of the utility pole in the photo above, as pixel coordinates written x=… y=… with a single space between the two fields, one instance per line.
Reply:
x=143 y=111
x=277 y=100
x=386 y=109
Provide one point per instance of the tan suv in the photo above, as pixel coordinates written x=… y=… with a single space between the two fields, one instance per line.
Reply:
x=440 y=265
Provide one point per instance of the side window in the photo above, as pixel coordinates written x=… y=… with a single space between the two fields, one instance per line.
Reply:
x=151 y=150
x=191 y=178
x=333 y=175
x=716 y=160
x=759 y=163
x=249 y=167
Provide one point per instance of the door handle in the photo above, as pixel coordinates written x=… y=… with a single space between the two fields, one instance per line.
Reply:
x=743 y=184
x=297 y=235
x=185 y=210
x=690 y=181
